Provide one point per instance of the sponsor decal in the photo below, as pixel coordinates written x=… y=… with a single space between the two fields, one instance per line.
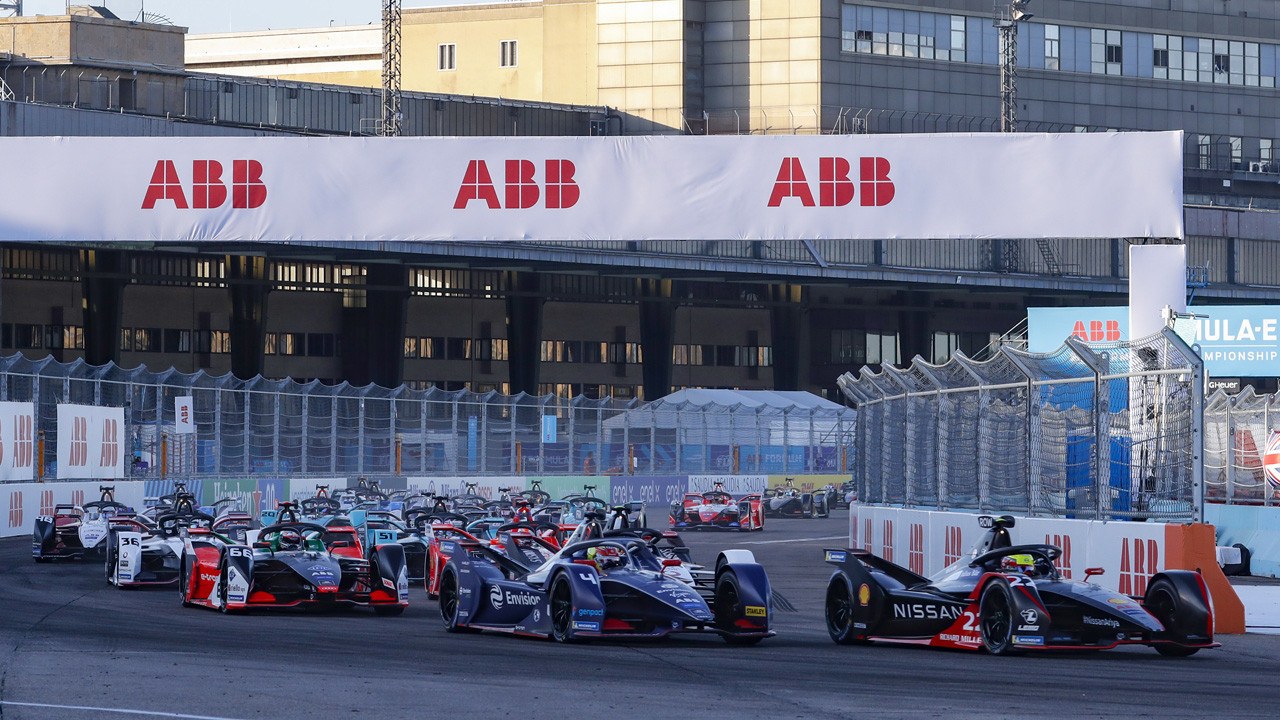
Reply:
x=1028 y=628
x=1030 y=616
x=1120 y=601
x=835 y=187
x=960 y=638
x=581 y=625
x=498 y=597
x=522 y=189
x=864 y=594
x=207 y=188
x=495 y=597
x=590 y=612
x=860 y=626
x=1104 y=622
x=537 y=615
x=755 y=611
x=1028 y=640
x=923 y=611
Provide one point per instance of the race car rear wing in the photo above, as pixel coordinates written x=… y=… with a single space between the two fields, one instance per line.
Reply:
x=863 y=558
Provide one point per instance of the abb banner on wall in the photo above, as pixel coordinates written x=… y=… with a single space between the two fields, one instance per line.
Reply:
x=17 y=441
x=90 y=442
x=981 y=185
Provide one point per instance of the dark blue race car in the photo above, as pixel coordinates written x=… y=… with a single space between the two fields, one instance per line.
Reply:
x=610 y=587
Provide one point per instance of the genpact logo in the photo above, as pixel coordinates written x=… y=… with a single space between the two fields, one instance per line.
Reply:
x=835 y=188
x=208 y=191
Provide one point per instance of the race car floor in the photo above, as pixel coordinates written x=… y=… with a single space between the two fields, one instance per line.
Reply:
x=77 y=648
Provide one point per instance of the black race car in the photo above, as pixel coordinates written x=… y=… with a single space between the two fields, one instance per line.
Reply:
x=1007 y=598
x=789 y=501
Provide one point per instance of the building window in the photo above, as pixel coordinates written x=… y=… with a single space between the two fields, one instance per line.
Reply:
x=847 y=347
x=1265 y=150
x=1205 y=147
x=1106 y=52
x=320 y=344
x=1237 y=153
x=1160 y=57
x=1052 y=48
x=458 y=348
x=882 y=348
x=957 y=38
x=448 y=53
x=508 y=53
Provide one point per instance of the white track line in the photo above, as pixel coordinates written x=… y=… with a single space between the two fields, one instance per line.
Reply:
x=122 y=711
x=812 y=539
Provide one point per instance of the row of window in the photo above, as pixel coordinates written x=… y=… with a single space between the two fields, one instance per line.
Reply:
x=448 y=55
x=722 y=355
x=861 y=347
x=974 y=39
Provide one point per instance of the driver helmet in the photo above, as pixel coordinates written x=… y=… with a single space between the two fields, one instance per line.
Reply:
x=605 y=557
x=289 y=539
x=1018 y=562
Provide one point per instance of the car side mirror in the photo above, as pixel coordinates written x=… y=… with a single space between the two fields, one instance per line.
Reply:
x=1090 y=572
x=340 y=544
x=262 y=545
x=670 y=562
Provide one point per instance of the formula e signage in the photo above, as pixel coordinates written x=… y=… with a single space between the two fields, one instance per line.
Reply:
x=1233 y=340
x=594 y=188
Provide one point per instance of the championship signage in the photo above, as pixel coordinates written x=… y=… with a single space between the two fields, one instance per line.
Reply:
x=921 y=186
x=1233 y=340
x=90 y=442
x=17 y=441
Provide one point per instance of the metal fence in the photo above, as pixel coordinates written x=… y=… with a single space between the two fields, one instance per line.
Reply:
x=1099 y=431
x=282 y=427
x=1238 y=448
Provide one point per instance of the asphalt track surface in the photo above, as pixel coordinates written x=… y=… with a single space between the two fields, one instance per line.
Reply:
x=75 y=647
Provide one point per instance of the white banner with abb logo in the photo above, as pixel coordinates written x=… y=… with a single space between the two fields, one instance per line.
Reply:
x=90 y=442
x=24 y=502
x=17 y=441
x=984 y=185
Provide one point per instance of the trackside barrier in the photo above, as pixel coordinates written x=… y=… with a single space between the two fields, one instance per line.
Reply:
x=24 y=502
x=1255 y=527
x=927 y=541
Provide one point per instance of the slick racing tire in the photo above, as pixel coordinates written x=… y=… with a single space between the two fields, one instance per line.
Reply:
x=728 y=607
x=222 y=588
x=449 y=604
x=561 y=601
x=111 y=554
x=995 y=618
x=182 y=581
x=1162 y=602
x=839 y=613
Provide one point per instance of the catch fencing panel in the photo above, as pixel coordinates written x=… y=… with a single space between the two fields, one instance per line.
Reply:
x=266 y=427
x=1242 y=448
x=1098 y=431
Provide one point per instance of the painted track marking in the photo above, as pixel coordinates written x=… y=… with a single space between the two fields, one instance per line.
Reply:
x=796 y=540
x=121 y=711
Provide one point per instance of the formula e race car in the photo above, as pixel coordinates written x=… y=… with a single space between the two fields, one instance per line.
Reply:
x=1007 y=598
x=142 y=554
x=717 y=510
x=292 y=563
x=77 y=531
x=790 y=501
x=610 y=587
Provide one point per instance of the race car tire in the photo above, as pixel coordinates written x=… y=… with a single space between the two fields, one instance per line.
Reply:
x=838 y=610
x=995 y=618
x=1163 y=603
x=449 y=604
x=111 y=555
x=728 y=606
x=388 y=610
x=182 y=582
x=222 y=588
x=561 y=605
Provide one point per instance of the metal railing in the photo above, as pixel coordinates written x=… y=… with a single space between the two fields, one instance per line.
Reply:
x=1089 y=431
x=1242 y=461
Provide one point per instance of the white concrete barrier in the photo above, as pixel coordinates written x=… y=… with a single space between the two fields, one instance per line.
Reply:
x=24 y=502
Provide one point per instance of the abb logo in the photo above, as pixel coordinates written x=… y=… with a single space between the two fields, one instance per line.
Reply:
x=46 y=502
x=79 y=456
x=1138 y=566
x=866 y=535
x=1096 y=330
x=521 y=189
x=1064 y=560
x=915 y=551
x=835 y=188
x=207 y=188
x=951 y=545
x=110 y=456
x=887 y=541
x=15 y=509
x=23 y=445
x=77 y=497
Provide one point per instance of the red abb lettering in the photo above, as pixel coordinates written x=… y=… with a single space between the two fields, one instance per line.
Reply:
x=208 y=190
x=1113 y=330
x=835 y=188
x=521 y=189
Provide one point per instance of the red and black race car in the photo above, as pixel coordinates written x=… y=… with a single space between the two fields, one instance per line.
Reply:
x=717 y=510
x=1009 y=598
x=292 y=563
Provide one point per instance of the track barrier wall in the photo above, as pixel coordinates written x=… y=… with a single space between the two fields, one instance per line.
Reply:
x=927 y=541
x=24 y=502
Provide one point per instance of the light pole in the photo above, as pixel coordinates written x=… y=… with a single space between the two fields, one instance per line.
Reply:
x=1007 y=18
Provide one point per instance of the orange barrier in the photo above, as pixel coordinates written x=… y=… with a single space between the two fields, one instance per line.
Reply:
x=1194 y=547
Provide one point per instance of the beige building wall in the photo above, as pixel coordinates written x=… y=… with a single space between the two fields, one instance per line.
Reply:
x=641 y=57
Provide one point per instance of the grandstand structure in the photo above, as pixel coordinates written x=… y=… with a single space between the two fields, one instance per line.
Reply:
x=630 y=319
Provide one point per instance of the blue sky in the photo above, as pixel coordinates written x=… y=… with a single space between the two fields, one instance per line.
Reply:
x=211 y=16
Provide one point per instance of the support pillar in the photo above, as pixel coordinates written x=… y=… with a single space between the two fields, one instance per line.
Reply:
x=104 y=275
x=913 y=329
x=373 y=330
x=788 y=321
x=657 y=332
x=248 y=281
x=524 y=331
